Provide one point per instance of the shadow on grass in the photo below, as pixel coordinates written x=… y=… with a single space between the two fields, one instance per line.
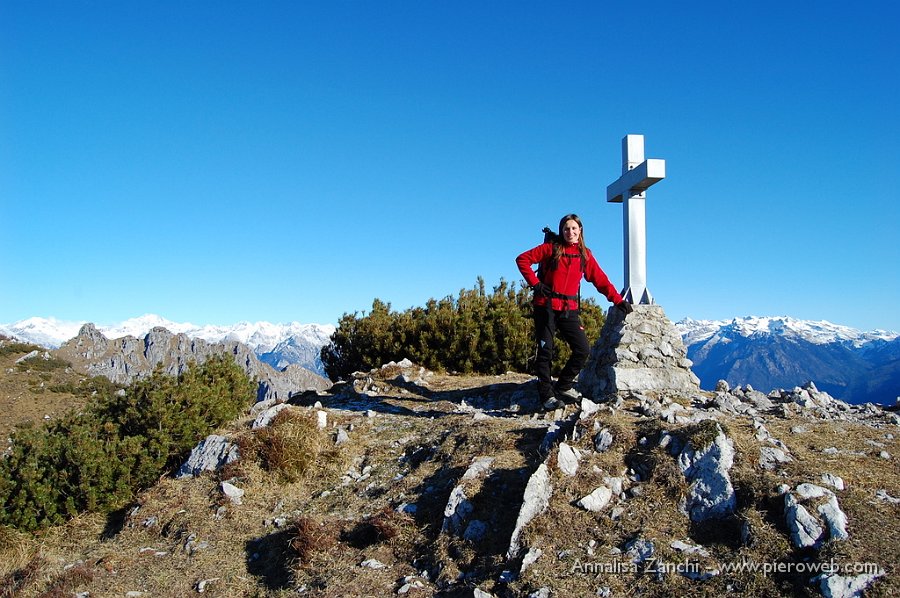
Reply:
x=270 y=559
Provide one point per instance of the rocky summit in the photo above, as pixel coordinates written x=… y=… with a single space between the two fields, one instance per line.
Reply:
x=437 y=485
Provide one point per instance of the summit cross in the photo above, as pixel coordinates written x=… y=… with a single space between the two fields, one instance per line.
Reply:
x=631 y=188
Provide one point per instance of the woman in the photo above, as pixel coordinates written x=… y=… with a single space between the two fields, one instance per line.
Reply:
x=562 y=261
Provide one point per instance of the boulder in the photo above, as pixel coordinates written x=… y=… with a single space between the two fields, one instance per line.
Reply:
x=710 y=494
x=210 y=454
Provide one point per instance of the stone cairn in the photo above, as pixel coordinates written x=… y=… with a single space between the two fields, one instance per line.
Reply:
x=640 y=353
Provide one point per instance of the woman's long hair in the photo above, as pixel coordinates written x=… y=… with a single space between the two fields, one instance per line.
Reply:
x=559 y=244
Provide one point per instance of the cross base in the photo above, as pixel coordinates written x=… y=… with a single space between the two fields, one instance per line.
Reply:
x=638 y=296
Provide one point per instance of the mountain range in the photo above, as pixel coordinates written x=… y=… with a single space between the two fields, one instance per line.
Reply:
x=279 y=345
x=765 y=352
x=782 y=352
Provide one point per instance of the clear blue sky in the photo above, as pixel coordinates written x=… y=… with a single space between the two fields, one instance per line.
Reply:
x=214 y=162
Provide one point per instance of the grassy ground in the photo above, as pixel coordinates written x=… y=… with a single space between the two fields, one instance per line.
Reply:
x=381 y=497
x=35 y=389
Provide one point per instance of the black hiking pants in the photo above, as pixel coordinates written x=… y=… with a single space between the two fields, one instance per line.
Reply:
x=547 y=323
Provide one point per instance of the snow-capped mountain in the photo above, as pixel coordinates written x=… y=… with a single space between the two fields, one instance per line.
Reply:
x=783 y=352
x=301 y=342
x=819 y=332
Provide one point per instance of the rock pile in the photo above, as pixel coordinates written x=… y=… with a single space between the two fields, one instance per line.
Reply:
x=643 y=352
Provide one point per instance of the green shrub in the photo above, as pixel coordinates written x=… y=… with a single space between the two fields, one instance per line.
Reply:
x=39 y=364
x=15 y=348
x=489 y=333
x=88 y=387
x=120 y=443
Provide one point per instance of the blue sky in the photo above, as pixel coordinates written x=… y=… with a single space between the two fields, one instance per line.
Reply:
x=215 y=162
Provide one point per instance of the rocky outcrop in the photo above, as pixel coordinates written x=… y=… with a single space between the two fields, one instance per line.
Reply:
x=210 y=454
x=638 y=353
x=706 y=467
x=128 y=358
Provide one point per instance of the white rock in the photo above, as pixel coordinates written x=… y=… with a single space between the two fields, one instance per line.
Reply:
x=883 y=495
x=835 y=518
x=232 y=492
x=710 y=494
x=373 y=564
x=588 y=408
x=479 y=466
x=567 y=459
x=832 y=480
x=603 y=440
x=688 y=548
x=322 y=419
x=770 y=456
x=210 y=454
x=839 y=586
x=535 y=502
x=201 y=585
x=265 y=418
x=597 y=500
x=805 y=529
x=530 y=558
x=457 y=511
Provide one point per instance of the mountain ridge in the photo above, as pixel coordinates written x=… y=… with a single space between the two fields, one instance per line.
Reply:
x=301 y=342
x=767 y=352
x=783 y=352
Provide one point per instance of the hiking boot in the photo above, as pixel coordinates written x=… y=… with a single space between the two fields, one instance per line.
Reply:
x=552 y=404
x=570 y=395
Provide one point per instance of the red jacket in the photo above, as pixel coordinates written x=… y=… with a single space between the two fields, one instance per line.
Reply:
x=566 y=278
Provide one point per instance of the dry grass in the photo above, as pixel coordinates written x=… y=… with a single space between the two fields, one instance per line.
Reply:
x=25 y=393
x=294 y=447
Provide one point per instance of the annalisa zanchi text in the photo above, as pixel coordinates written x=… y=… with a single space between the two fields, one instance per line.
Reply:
x=691 y=568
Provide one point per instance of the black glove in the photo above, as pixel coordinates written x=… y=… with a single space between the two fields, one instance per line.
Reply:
x=625 y=307
x=541 y=289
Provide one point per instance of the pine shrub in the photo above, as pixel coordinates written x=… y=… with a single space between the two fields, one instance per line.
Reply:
x=476 y=331
x=120 y=443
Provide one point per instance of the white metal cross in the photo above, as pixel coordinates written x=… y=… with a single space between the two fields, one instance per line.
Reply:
x=637 y=175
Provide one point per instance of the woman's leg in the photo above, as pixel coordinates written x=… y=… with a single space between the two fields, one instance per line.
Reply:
x=572 y=331
x=544 y=331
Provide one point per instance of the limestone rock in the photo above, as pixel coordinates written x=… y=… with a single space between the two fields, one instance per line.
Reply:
x=265 y=418
x=459 y=508
x=210 y=454
x=457 y=511
x=839 y=586
x=567 y=459
x=597 y=500
x=535 y=501
x=710 y=494
x=603 y=440
x=232 y=492
x=808 y=530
